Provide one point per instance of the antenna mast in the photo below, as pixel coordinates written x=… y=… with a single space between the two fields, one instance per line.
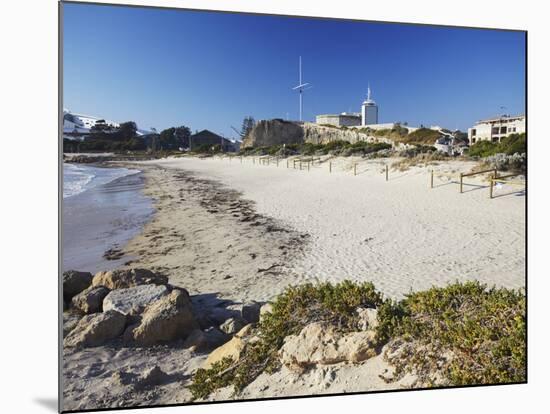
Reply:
x=301 y=87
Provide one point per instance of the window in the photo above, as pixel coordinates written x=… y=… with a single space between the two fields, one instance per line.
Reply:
x=473 y=140
x=494 y=130
x=495 y=139
x=503 y=130
x=473 y=133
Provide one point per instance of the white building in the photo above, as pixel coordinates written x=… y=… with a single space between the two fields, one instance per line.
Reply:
x=496 y=128
x=78 y=124
x=369 y=111
x=343 y=119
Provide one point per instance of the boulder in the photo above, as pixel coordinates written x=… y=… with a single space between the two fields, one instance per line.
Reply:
x=319 y=344
x=232 y=325
x=75 y=282
x=151 y=377
x=131 y=301
x=200 y=341
x=96 y=329
x=368 y=318
x=90 y=300
x=125 y=278
x=251 y=312
x=232 y=349
x=70 y=320
x=169 y=318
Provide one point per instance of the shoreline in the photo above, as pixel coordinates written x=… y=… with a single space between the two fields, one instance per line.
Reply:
x=100 y=220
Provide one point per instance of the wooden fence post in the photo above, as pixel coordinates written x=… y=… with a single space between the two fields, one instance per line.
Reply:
x=432 y=180
x=354 y=168
x=386 y=173
x=330 y=167
x=491 y=188
x=308 y=166
x=461 y=178
x=277 y=160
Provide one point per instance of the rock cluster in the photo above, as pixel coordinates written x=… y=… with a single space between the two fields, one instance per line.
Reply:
x=139 y=308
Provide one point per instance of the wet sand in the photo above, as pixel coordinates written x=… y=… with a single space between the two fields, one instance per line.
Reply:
x=101 y=219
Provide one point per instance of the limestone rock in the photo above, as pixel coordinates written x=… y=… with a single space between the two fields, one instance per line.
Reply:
x=319 y=344
x=232 y=349
x=96 y=329
x=131 y=301
x=70 y=320
x=125 y=278
x=151 y=377
x=199 y=341
x=75 y=282
x=368 y=318
x=277 y=131
x=232 y=326
x=167 y=319
x=274 y=132
x=90 y=300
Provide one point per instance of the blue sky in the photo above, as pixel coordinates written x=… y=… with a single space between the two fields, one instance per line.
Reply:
x=164 y=68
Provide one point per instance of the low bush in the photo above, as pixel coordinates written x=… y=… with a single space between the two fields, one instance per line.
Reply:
x=461 y=334
x=292 y=310
x=512 y=144
x=479 y=332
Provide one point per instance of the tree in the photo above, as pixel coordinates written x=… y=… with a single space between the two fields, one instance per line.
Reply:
x=248 y=124
x=126 y=131
x=174 y=138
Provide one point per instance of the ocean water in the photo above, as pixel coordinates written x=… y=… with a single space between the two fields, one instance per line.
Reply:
x=78 y=178
x=103 y=209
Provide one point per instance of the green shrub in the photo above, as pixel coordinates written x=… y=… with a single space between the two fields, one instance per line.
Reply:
x=295 y=308
x=483 y=149
x=512 y=144
x=484 y=330
x=422 y=136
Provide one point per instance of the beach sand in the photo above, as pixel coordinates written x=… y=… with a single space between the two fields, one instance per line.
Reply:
x=399 y=234
x=234 y=232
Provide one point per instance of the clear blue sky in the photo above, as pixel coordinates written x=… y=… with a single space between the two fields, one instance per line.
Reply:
x=165 y=68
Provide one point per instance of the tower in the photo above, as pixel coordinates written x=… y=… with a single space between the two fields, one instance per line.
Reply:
x=369 y=110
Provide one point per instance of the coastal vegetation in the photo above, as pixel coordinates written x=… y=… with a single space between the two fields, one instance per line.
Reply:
x=512 y=144
x=462 y=334
x=343 y=148
x=125 y=138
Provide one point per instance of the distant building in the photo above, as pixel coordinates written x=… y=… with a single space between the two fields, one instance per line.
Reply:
x=496 y=128
x=343 y=119
x=369 y=111
x=450 y=145
x=206 y=137
x=78 y=125
x=367 y=116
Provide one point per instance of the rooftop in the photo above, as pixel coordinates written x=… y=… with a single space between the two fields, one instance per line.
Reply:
x=500 y=118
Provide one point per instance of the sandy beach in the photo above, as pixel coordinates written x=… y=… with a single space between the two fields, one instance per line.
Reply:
x=399 y=234
x=232 y=232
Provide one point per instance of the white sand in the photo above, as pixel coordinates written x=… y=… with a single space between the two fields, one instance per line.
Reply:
x=400 y=234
